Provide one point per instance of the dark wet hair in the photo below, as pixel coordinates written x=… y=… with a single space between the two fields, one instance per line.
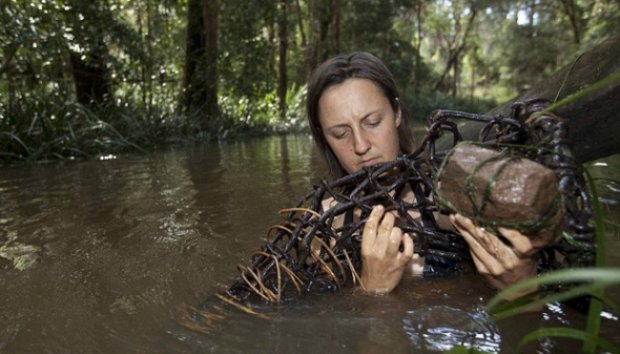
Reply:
x=359 y=65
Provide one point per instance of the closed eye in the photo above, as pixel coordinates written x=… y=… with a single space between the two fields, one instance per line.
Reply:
x=340 y=134
x=372 y=122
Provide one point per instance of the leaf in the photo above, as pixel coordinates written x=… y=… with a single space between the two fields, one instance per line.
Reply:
x=593 y=325
x=585 y=337
x=609 y=80
x=604 y=276
x=465 y=350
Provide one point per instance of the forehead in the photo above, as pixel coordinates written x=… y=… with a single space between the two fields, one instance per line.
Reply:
x=351 y=98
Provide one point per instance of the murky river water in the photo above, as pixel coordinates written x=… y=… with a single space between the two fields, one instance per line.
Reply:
x=99 y=256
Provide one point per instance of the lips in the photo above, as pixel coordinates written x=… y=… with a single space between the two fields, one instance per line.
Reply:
x=370 y=162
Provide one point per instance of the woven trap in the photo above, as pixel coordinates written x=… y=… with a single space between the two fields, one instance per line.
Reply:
x=305 y=253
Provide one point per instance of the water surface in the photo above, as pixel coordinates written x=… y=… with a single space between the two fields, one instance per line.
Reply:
x=99 y=256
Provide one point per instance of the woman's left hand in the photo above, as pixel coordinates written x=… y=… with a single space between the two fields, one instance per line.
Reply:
x=383 y=263
x=501 y=264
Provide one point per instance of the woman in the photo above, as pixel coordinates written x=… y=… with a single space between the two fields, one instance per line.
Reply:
x=358 y=120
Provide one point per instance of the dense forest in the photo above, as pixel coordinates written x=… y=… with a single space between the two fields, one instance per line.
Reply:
x=81 y=78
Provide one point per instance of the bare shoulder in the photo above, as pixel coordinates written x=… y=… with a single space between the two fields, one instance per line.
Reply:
x=328 y=203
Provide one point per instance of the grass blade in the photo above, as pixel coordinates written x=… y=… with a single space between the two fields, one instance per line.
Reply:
x=593 y=325
x=603 y=276
x=592 y=340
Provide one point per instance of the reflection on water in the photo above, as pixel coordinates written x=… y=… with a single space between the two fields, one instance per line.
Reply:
x=99 y=256
x=443 y=327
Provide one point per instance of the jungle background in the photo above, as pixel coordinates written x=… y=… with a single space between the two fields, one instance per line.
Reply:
x=88 y=78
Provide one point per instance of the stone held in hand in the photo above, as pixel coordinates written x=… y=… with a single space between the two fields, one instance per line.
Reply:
x=498 y=190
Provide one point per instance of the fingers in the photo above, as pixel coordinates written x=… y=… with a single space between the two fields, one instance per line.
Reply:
x=383 y=263
x=395 y=234
x=480 y=255
x=502 y=263
x=480 y=264
x=370 y=229
x=407 y=253
x=490 y=254
x=378 y=231
x=461 y=221
x=389 y=237
x=386 y=228
x=381 y=237
x=391 y=248
x=484 y=240
x=521 y=244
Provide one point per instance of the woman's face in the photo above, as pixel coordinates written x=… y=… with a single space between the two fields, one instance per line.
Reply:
x=359 y=124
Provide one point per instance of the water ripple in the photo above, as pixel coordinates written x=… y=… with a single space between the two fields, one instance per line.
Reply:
x=441 y=328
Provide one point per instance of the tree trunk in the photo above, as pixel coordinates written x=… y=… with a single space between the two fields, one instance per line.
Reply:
x=302 y=32
x=146 y=66
x=91 y=77
x=572 y=10
x=211 y=28
x=149 y=63
x=283 y=34
x=455 y=51
x=324 y=31
x=194 y=51
x=472 y=88
x=9 y=52
x=418 y=44
x=201 y=51
x=335 y=27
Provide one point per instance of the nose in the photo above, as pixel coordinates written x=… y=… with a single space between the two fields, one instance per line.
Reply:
x=361 y=144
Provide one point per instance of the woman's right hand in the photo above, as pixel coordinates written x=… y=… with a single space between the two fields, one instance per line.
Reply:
x=502 y=263
x=383 y=263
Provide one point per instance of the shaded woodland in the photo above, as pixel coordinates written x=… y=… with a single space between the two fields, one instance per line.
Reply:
x=82 y=78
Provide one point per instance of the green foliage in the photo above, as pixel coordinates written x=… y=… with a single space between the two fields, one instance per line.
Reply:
x=138 y=51
x=602 y=21
x=521 y=72
x=593 y=325
x=248 y=48
x=606 y=82
x=600 y=277
x=51 y=131
x=564 y=332
x=261 y=116
x=376 y=32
